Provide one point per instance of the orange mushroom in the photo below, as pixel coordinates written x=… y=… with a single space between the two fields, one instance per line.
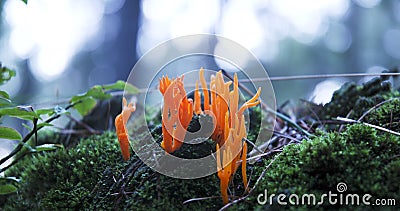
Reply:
x=197 y=100
x=120 y=126
x=224 y=172
x=218 y=104
x=176 y=115
x=230 y=129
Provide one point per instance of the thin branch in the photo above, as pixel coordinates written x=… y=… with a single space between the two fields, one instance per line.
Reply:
x=369 y=125
x=83 y=124
x=200 y=199
x=294 y=77
x=317 y=76
x=329 y=121
x=286 y=136
x=253 y=144
x=77 y=132
x=375 y=107
x=15 y=161
x=343 y=125
x=264 y=146
x=396 y=156
x=272 y=78
x=265 y=154
x=265 y=106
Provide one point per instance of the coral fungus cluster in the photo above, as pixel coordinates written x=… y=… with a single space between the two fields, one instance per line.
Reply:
x=220 y=102
x=230 y=128
x=177 y=113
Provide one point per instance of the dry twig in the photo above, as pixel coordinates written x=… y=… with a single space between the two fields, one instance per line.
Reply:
x=252 y=189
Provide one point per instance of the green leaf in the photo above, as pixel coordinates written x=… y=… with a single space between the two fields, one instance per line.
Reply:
x=98 y=93
x=5 y=74
x=4 y=99
x=5 y=102
x=77 y=98
x=131 y=89
x=26 y=126
x=85 y=106
x=47 y=111
x=7 y=189
x=9 y=133
x=4 y=95
x=86 y=102
x=47 y=147
x=44 y=124
x=18 y=112
x=121 y=85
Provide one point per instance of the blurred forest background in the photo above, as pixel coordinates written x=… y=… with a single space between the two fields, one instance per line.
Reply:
x=61 y=48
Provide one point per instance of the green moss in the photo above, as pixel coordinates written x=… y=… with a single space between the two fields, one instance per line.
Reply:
x=152 y=191
x=386 y=115
x=353 y=100
x=65 y=195
x=73 y=172
x=365 y=161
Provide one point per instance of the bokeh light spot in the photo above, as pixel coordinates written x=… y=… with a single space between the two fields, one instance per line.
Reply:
x=367 y=3
x=324 y=90
x=391 y=43
x=338 y=39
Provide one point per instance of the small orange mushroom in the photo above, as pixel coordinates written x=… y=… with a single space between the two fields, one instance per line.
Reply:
x=224 y=172
x=120 y=126
x=197 y=100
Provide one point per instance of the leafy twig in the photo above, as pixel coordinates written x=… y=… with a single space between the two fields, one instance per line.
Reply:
x=29 y=135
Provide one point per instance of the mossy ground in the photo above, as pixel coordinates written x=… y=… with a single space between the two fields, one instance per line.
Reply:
x=58 y=179
x=364 y=159
x=93 y=176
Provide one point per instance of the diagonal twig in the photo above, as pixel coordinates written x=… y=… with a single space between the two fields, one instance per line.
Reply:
x=375 y=107
x=369 y=125
x=252 y=189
